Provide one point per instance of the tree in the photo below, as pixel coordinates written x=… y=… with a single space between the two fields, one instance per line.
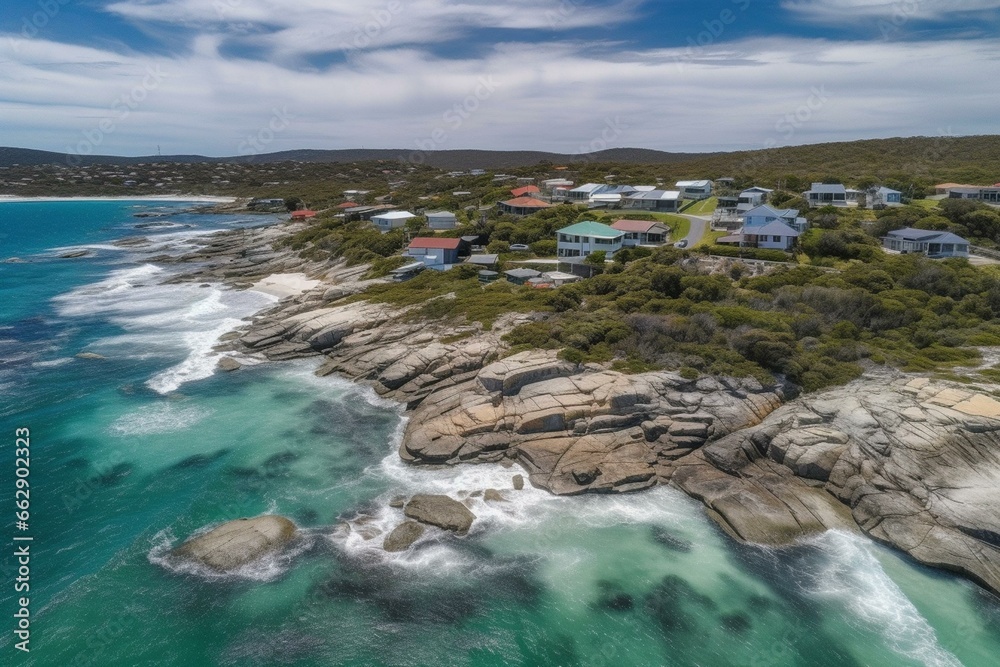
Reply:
x=596 y=260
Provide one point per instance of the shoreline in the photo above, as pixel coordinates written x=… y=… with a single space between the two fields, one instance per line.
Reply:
x=864 y=457
x=196 y=199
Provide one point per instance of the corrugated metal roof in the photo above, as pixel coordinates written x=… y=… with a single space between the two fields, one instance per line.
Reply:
x=433 y=243
x=590 y=228
x=526 y=202
x=641 y=226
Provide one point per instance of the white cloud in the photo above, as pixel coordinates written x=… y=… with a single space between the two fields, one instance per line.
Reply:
x=897 y=10
x=557 y=96
x=319 y=26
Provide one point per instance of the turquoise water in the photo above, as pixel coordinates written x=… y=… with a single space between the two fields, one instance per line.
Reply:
x=134 y=452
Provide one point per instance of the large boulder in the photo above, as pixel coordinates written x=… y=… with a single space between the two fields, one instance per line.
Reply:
x=403 y=536
x=440 y=511
x=237 y=543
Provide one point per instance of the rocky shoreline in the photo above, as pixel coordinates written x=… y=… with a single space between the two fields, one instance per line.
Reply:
x=910 y=461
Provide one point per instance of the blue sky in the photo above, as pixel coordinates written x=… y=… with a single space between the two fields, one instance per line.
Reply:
x=227 y=77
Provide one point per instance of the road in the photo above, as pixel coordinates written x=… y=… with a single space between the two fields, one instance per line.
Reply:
x=699 y=225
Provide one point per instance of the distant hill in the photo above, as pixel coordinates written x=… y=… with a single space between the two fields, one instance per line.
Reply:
x=453 y=159
x=974 y=159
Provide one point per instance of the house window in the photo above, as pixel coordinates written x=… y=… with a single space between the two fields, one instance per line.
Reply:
x=775 y=239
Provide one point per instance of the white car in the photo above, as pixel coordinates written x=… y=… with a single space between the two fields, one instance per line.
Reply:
x=519 y=247
x=683 y=243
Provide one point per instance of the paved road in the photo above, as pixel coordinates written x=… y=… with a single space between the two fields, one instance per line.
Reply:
x=699 y=225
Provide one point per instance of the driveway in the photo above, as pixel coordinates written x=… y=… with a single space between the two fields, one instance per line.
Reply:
x=699 y=225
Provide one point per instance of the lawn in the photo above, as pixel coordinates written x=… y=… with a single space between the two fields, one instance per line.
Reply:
x=711 y=237
x=703 y=207
x=926 y=203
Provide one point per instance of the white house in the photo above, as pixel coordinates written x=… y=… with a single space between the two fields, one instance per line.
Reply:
x=884 y=196
x=584 y=192
x=772 y=236
x=695 y=189
x=391 y=220
x=441 y=220
x=653 y=200
x=826 y=194
x=749 y=199
x=584 y=238
x=927 y=241
x=765 y=215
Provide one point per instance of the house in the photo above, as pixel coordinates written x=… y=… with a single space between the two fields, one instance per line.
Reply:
x=488 y=261
x=558 y=278
x=944 y=188
x=391 y=220
x=303 y=214
x=749 y=199
x=642 y=232
x=435 y=252
x=653 y=200
x=764 y=215
x=987 y=194
x=927 y=241
x=521 y=276
x=441 y=220
x=584 y=238
x=884 y=196
x=522 y=206
x=772 y=236
x=826 y=194
x=695 y=189
x=584 y=192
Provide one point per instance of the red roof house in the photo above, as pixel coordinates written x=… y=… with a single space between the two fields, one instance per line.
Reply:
x=526 y=190
x=522 y=206
x=302 y=215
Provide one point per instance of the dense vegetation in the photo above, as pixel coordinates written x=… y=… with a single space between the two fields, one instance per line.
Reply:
x=811 y=326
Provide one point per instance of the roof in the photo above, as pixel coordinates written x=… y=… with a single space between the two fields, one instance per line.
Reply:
x=440 y=213
x=526 y=190
x=406 y=268
x=693 y=184
x=766 y=210
x=523 y=273
x=483 y=260
x=526 y=202
x=641 y=226
x=770 y=229
x=560 y=275
x=395 y=215
x=885 y=191
x=828 y=187
x=757 y=188
x=589 y=228
x=668 y=195
x=911 y=234
x=303 y=214
x=589 y=187
x=434 y=243
x=348 y=204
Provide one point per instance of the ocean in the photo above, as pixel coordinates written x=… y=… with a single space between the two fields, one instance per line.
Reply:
x=134 y=451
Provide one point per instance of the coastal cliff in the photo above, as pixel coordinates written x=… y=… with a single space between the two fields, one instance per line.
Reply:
x=911 y=461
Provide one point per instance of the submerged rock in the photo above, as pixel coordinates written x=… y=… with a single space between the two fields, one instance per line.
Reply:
x=90 y=355
x=237 y=543
x=228 y=364
x=440 y=511
x=403 y=536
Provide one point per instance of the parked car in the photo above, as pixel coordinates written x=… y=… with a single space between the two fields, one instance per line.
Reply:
x=519 y=247
x=683 y=243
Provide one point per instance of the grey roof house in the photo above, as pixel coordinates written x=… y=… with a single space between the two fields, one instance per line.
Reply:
x=927 y=241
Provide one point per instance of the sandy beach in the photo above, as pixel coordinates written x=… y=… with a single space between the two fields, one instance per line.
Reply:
x=285 y=284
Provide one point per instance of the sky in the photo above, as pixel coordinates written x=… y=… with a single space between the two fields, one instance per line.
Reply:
x=243 y=77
